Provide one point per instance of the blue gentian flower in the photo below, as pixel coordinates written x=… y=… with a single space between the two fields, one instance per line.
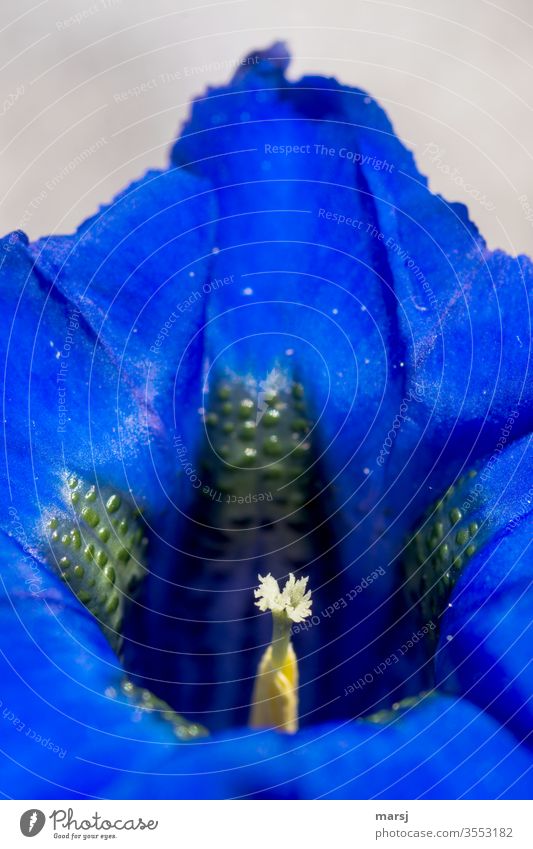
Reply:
x=283 y=354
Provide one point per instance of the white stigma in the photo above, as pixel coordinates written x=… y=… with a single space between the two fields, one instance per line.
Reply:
x=293 y=599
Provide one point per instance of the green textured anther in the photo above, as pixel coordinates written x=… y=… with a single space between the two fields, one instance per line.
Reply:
x=113 y=503
x=144 y=700
x=441 y=547
x=101 y=558
x=224 y=391
x=248 y=456
x=110 y=574
x=271 y=417
x=272 y=446
x=89 y=515
x=444 y=553
x=298 y=391
x=255 y=472
x=110 y=568
x=381 y=717
x=455 y=515
x=300 y=426
x=113 y=604
x=462 y=537
x=246 y=407
x=76 y=538
x=247 y=430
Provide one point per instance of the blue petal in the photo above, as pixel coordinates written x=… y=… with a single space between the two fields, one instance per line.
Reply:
x=484 y=652
x=441 y=749
x=456 y=314
x=340 y=265
x=56 y=667
x=131 y=271
x=97 y=379
x=61 y=735
x=314 y=296
x=125 y=271
x=463 y=312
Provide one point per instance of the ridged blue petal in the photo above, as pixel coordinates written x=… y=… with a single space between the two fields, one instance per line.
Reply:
x=439 y=313
x=83 y=316
x=315 y=298
x=55 y=667
x=442 y=749
x=484 y=652
x=464 y=314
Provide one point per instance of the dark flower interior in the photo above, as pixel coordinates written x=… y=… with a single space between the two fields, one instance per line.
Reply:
x=261 y=503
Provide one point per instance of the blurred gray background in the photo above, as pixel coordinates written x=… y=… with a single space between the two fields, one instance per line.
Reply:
x=93 y=91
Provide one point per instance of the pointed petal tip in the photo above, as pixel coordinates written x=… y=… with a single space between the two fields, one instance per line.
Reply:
x=274 y=59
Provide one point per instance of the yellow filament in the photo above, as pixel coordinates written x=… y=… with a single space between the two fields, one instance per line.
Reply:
x=275 y=695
